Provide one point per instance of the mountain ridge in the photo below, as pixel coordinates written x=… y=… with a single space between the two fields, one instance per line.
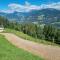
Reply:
x=44 y=16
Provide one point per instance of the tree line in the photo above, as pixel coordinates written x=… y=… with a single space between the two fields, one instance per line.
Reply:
x=48 y=33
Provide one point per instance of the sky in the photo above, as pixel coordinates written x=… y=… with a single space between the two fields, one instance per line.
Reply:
x=10 y=6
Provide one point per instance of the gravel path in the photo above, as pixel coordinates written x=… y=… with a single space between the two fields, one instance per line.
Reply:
x=47 y=51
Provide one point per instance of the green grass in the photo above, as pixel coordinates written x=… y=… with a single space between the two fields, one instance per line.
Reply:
x=27 y=37
x=10 y=52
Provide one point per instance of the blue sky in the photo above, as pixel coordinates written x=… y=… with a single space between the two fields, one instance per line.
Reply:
x=21 y=5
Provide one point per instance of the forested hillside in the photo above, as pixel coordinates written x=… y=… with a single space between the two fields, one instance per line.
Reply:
x=47 y=32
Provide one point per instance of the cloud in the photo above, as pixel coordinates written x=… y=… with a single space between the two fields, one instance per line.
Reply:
x=52 y=5
x=7 y=11
x=20 y=8
x=23 y=8
x=27 y=7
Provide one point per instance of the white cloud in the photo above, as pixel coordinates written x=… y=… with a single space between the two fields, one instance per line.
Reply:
x=28 y=7
x=20 y=8
x=52 y=5
x=7 y=11
x=23 y=8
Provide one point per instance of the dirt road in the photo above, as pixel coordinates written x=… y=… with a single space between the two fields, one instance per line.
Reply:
x=48 y=52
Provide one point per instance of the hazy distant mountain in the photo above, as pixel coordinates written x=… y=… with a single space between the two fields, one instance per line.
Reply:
x=44 y=16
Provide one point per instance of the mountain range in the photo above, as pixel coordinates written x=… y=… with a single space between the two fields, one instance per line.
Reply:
x=43 y=16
